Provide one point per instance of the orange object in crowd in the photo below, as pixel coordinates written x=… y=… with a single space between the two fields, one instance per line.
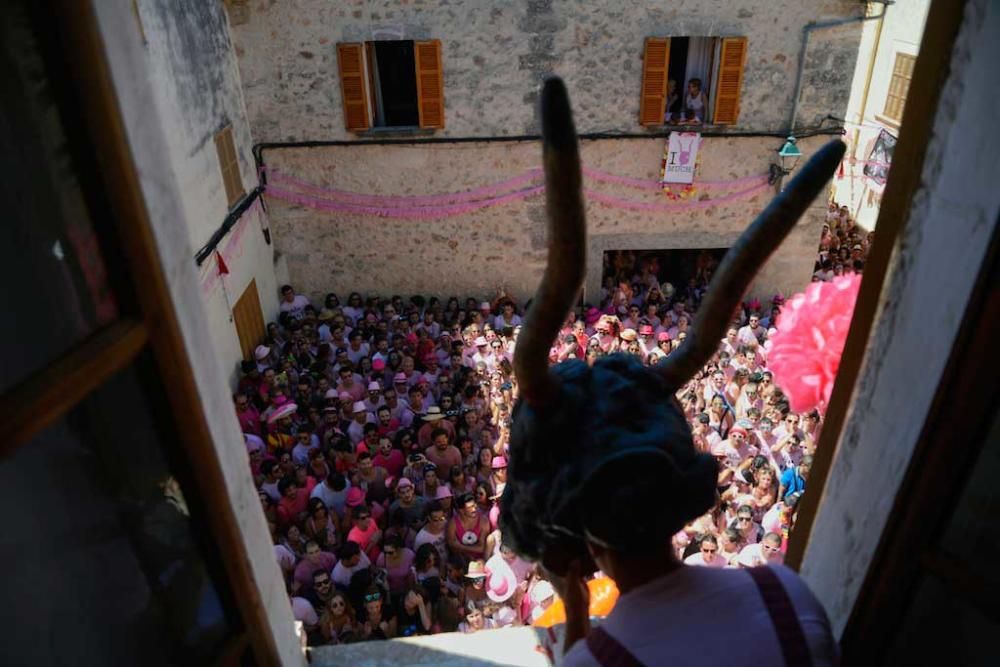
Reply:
x=603 y=596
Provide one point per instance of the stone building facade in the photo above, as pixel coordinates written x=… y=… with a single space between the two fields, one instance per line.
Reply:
x=493 y=58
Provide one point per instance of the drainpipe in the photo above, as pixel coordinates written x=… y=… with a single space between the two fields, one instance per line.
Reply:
x=808 y=30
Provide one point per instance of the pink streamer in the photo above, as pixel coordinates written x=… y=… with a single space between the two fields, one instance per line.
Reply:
x=611 y=200
x=412 y=213
x=401 y=201
x=644 y=184
x=436 y=212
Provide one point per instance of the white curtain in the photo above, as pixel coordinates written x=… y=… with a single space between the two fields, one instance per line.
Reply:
x=701 y=50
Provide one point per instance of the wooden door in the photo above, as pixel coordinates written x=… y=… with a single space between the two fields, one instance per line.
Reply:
x=249 y=320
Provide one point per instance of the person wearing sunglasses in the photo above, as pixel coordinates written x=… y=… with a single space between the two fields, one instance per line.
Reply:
x=338 y=620
x=376 y=619
x=707 y=554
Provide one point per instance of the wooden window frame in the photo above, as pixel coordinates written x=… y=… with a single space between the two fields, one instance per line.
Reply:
x=930 y=71
x=229 y=166
x=895 y=103
x=430 y=103
x=147 y=321
x=715 y=69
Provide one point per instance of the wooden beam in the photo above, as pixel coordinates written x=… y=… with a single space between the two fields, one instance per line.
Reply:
x=933 y=64
x=76 y=28
x=48 y=394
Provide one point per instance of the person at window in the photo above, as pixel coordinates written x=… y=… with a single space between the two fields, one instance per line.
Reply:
x=695 y=103
x=673 y=105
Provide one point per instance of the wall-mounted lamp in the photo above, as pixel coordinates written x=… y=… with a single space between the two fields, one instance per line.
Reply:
x=789 y=155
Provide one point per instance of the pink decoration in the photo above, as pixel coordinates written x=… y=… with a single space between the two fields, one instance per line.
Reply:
x=811 y=331
x=392 y=209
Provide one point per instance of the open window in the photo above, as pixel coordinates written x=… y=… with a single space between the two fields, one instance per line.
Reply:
x=391 y=84
x=692 y=80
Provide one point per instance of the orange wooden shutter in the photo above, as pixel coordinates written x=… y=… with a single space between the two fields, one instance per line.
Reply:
x=430 y=83
x=655 y=59
x=350 y=57
x=727 y=91
x=249 y=320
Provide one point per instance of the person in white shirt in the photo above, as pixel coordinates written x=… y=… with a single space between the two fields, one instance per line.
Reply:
x=707 y=554
x=752 y=333
x=350 y=559
x=292 y=303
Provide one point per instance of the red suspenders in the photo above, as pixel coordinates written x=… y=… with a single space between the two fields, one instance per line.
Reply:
x=609 y=652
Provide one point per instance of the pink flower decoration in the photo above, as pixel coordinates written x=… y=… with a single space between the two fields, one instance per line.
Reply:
x=811 y=332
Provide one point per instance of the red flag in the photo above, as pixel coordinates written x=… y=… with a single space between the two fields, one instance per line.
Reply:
x=221 y=263
x=840 y=172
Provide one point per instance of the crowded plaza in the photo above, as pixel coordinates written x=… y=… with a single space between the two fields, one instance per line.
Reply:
x=378 y=435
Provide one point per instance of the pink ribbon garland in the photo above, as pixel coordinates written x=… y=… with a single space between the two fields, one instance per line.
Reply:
x=436 y=212
x=616 y=202
x=410 y=213
x=394 y=201
x=486 y=192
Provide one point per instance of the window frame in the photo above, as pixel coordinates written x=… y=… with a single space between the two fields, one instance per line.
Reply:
x=895 y=103
x=229 y=166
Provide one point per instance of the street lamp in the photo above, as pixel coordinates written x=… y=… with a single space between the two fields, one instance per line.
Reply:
x=789 y=155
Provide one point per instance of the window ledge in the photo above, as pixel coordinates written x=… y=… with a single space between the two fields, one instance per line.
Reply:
x=889 y=122
x=407 y=131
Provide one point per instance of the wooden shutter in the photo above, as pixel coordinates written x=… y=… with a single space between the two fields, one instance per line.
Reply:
x=249 y=320
x=430 y=83
x=225 y=150
x=727 y=91
x=353 y=91
x=655 y=59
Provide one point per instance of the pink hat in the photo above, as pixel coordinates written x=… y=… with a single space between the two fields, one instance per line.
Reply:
x=344 y=396
x=404 y=482
x=646 y=330
x=411 y=338
x=378 y=364
x=500 y=580
x=739 y=429
x=499 y=462
x=442 y=492
x=481 y=341
x=400 y=378
x=359 y=406
x=485 y=305
x=663 y=335
x=330 y=393
x=286 y=410
x=374 y=386
x=355 y=496
x=261 y=352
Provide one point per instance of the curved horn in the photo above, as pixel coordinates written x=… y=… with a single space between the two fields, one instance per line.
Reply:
x=566 y=261
x=741 y=263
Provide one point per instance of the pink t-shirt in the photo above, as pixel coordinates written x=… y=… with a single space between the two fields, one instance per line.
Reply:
x=398 y=575
x=393 y=463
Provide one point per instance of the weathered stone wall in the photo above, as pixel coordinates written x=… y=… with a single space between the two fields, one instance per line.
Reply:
x=472 y=253
x=495 y=55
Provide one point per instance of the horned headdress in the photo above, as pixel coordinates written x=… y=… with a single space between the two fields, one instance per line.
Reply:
x=604 y=453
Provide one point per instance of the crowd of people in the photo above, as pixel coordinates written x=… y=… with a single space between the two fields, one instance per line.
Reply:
x=378 y=430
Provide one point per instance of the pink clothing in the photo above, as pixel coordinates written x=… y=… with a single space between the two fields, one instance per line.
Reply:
x=393 y=463
x=306 y=567
x=398 y=575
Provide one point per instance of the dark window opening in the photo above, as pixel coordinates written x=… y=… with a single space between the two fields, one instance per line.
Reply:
x=395 y=84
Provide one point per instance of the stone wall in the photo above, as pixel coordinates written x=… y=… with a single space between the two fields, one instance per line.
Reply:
x=472 y=253
x=496 y=54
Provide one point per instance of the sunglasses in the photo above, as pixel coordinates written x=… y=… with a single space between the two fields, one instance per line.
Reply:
x=372 y=597
x=745 y=518
x=324 y=582
x=709 y=551
x=389 y=553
